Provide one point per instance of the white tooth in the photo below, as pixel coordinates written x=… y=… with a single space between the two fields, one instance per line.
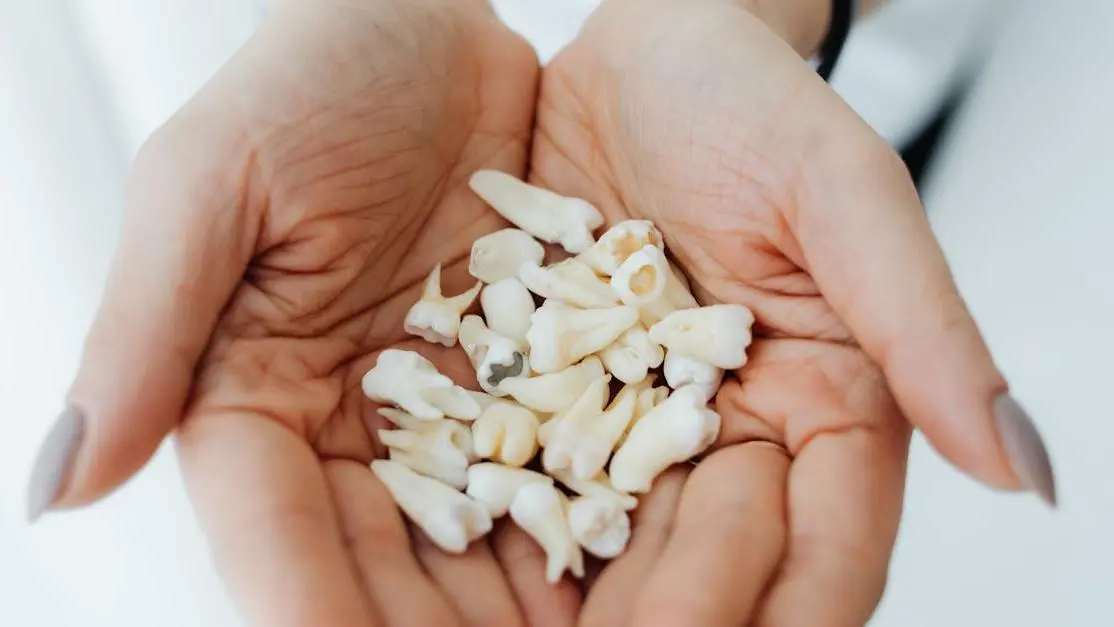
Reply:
x=499 y=255
x=507 y=307
x=483 y=399
x=569 y=439
x=632 y=356
x=441 y=449
x=451 y=520
x=681 y=370
x=496 y=485
x=494 y=356
x=674 y=431
x=619 y=243
x=561 y=336
x=717 y=334
x=600 y=526
x=541 y=511
x=676 y=296
x=553 y=393
x=410 y=381
x=548 y=216
x=506 y=433
x=648 y=398
x=434 y=318
x=642 y=278
x=569 y=281
x=598 y=487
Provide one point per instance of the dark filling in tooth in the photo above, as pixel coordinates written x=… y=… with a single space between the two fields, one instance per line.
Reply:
x=500 y=372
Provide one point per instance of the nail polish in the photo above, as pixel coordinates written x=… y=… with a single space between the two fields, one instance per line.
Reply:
x=1025 y=448
x=51 y=471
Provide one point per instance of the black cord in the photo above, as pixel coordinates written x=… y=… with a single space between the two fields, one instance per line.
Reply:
x=843 y=14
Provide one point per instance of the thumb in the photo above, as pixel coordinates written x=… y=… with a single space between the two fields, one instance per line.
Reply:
x=185 y=242
x=868 y=244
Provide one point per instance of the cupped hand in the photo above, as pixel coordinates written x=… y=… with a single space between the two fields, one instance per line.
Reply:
x=770 y=192
x=276 y=231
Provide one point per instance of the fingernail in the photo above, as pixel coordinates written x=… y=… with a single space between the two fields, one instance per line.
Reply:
x=1025 y=448
x=52 y=467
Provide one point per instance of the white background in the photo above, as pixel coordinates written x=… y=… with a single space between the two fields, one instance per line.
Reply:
x=1022 y=202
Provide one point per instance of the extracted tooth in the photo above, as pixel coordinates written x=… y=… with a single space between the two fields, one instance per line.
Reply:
x=541 y=511
x=483 y=399
x=507 y=307
x=681 y=370
x=554 y=393
x=676 y=430
x=548 y=216
x=583 y=437
x=499 y=255
x=676 y=296
x=496 y=485
x=410 y=381
x=648 y=398
x=716 y=334
x=599 y=525
x=569 y=281
x=619 y=243
x=495 y=357
x=561 y=336
x=642 y=278
x=598 y=487
x=434 y=318
x=632 y=356
x=441 y=449
x=506 y=433
x=451 y=520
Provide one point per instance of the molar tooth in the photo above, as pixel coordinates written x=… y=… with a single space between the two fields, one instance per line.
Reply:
x=676 y=296
x=642 y=278
x=632 y=356
x=546 y=215
x=506 y=433
x=496 y=485
x=717 y=334
x=620 y=242
x=495 y=357
x=434 y=318
x=541 y=511
x=507 y=307
x=569 y=281
x=499 y=255
x=553 y=393
x=681 y=370
x=440 y=449
x=410 y=381
x=599 y=525
x=561 y=336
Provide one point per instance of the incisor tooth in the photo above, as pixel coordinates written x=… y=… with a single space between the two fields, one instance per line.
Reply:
x=507 y=307
x=632 y=356
x=499 y=255
x=569 y=281
x=494 y=356
x=599 y=525
x=434 y=318
x=410 y=381
x=554 y=393
x=548 y=216
x=620 y=242
x=561 y=336
x=451 y=520
x=496 y=485
x=541 y=511
x=681 y=370
x=642 y=278
x=717 y=334
x=506 y=433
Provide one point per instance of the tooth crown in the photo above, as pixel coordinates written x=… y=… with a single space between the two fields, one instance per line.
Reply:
x=620 y=242
x=540 y=510
x=507 y=306
x=560 y=337
x=400 y=377
x=499 y=255
x=569 y=281
x=450 y=519
x=434 y=318
x=681 y=370
x=632 y=355
x=556 y=392
x=717 y=334
x=496 y=485
x=642 y=278
x=600 y=526
x=550 y=217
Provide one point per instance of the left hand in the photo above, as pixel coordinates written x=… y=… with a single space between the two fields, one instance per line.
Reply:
x=702 y=117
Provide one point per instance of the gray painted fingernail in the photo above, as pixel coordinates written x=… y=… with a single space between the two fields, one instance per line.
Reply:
x=52 y=467
x=1025 y=448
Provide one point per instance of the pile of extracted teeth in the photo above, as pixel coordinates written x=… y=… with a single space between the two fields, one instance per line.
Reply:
x=611 y=313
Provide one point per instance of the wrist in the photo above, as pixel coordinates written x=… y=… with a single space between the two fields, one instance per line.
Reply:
x=803 y=24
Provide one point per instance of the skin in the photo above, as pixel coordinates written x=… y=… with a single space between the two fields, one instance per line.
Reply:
x=281 y=224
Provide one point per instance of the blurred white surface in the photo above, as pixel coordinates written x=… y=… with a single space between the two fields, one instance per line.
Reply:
x=1020 y=202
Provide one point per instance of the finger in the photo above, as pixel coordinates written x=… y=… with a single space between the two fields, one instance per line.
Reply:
x=611 y=599
x=262 y=500
x=845 y=495
x=867 y=242
x=375 y=534
x=185 y=242
x=543 y=604
x=726 y=543
x=473 y=582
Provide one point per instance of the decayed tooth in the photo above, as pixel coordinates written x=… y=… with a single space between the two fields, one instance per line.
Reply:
x=599 y=525
x=676 y=296
x=548 y=216
x=441 y=449
x=507 y=307
x=561 y=336
x=499 y=255
x=676 y=430
x=598 y=487
x=582 y=438
x=496 y=485
x=494 y=356
x=541 y=511
x=434 y=318
x=619 y=243
x=717 y=334
x=451 y=520
x=554 y=393
x=410 y=381
x=681 y=370
x=506 y=433
x=569 y=281
x=632 y=356
x=642 y=278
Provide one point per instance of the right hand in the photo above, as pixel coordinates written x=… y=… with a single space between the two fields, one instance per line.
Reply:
x=277 y=229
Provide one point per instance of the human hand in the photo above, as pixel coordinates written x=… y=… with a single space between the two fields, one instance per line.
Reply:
x=276 y=231
x=770 y=192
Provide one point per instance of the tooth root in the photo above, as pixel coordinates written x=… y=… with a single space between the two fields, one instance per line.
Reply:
x=548 y=216
x=676 y=297
x=461 y=302
x=506 y=433
x=496 y=485
x=555 y=392
x=619 y=242
x=403 y=420
x=718 y=334
x=571 y=441
x=450 y=519
x=539 y=510
x=431 y=290
x=600 y=526
x=559 y=337
x=642 y=278
x=571 y=282
x=598 y=487
x=452 y=401
x=632 y=355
